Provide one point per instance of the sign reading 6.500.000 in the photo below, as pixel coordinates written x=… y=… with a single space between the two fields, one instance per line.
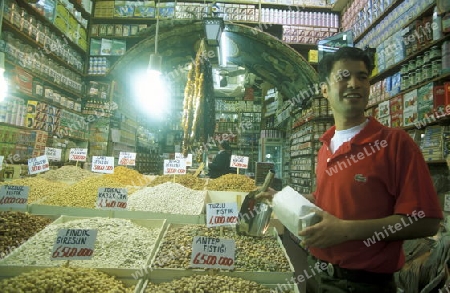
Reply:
x=74 y=244
x=213 y=253
x=38 y=165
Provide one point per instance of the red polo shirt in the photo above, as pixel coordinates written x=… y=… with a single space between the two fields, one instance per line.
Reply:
x=380 y=172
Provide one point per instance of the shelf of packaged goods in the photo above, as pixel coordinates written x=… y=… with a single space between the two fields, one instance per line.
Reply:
x=396 y=67
x=427 y=11
x=74 y=138
x=374 y=23
x=15 y=126
x=84 y=13
x=44 y=79
x=17 y=33
x=3 y=124
x=56 y=30
x=45 y=100
x=135 y=37
x=439 y=78
x=443 y=120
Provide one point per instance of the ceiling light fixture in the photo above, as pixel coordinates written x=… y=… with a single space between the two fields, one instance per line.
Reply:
x=213 y=30
x=155 y=62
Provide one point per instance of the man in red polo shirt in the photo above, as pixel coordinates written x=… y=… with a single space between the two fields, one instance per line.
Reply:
x=373 y=186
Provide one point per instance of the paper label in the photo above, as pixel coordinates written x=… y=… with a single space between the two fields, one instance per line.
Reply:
x=212 y=253
x=174 y=167
x=53 y=154
x=127 y=159
x=239 y=162
x=78 y=154
x=102 y=164
x=74 y=244
x=221 y=214
x=1 y=162
x=38 y=165
x=112 y=198
x=13 y=196
x=188 y=158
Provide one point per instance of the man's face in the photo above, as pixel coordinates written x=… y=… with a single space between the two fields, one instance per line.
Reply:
x=348 y=88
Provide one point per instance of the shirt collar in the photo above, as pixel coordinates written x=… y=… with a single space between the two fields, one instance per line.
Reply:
x=368 y=134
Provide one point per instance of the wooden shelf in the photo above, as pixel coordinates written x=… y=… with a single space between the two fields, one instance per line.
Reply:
x=378 y=20
x=68 y=91
x=17 y=33
x=56 y=30
x=396 y=67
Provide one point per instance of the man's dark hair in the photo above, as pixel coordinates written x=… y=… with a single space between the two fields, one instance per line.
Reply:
x=344 y=53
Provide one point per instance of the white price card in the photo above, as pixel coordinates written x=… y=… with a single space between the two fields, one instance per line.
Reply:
x=221 y=214
x=102 y=164
x=212 y=253
x=13 y=196
x=174 y=167
x=188 y=158
x=77 y=154
x=38 y=165
x=1 y=162
x=112 y=198
x=239 y=162
x=127 y=159
x=74 y=244
x=53 y=154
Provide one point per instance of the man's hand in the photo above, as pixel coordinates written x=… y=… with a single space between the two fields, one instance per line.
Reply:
x=328 y=232
x=269 y=194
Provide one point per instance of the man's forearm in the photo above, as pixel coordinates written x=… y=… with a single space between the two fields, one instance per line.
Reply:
x=309 y=197
x=395 y=227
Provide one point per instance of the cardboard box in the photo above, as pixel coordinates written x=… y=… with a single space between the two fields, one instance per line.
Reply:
x=95 y=48
x=397 y=120
x=383 y=109
x=439 y=101
x=410 y=117
x=23 y=80
x=106 y=47
x=410 y=101
x=396 y=105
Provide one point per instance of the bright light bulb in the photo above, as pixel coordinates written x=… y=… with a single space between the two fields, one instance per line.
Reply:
x=152 y=93
x=3 y=85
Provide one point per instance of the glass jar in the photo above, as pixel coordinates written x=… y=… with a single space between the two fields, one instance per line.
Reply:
x=404 y=82
x=418 y=76
x=435 y=53
x=411 y=65
x=412 y=78
x=419 y=61
x=47 y=39
x=436 y=66
x=24 y=21
x=28 y=57
x=426 y=72
x=426 y=57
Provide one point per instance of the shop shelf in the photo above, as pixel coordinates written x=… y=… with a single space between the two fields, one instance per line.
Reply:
x=160 y=275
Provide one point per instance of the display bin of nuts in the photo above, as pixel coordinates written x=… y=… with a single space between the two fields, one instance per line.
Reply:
x=123 y=247
x=216 y=284
x=171 y=201
x=69 y=211
x=238 y=197
x=260 y=259
x=66 y=279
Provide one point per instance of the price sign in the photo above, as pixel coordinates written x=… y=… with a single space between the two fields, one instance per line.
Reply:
x=12 y=196
x=77 y=154
x=74 y=244
x=127 y=159
x=102 y=164
x=112 y=198
x=212 y=253
x=1 y=162
x=38 y=165
x=174 y=167
x=188 y=159
x=239 y=162
x=221 y=214
x=53 y=154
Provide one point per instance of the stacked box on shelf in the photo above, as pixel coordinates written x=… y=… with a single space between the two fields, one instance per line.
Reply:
x=425 y=103
x=432 y=143
x=384 y=114
x=410 y=115
x=396 y=111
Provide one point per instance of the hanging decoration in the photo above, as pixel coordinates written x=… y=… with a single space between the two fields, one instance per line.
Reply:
x=198 y=120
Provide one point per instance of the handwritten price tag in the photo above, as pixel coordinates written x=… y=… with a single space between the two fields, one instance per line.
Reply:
x=127 y=159
x=1 y=162
x=174 y=167
x=53 y=154
x=221 y=214
x=38 y=165
x=239 y=162
x=77 y=154
x=74 y=244
x=212 y=253
x=101 y=164
x=12 y=196
x=112 y=198
x=188 y=159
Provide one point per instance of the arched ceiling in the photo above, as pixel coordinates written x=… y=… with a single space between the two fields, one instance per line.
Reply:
x=261 y=53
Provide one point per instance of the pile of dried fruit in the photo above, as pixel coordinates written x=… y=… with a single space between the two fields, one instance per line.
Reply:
x=127 y=176
x=232 y=182
x=16 y=228
x=188 y=180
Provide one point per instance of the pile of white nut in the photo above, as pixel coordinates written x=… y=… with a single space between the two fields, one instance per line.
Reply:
x=112 y=237
x=170 y=198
